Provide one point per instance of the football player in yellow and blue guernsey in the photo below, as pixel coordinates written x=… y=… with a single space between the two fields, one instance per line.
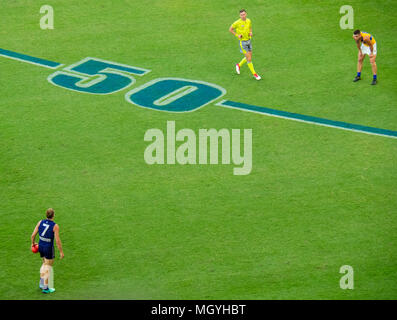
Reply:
x=242 y=29
x=366 y=44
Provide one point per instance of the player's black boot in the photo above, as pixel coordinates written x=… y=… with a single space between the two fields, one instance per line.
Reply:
x=374 y=82
x=356 y=79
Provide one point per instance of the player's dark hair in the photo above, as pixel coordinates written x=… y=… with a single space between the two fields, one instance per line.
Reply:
x=242 y=10
x=357 y=31
x=49 y=213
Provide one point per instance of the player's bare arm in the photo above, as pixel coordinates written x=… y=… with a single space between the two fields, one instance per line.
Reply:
x=35 y=231
x=358 y=44
x=234 y=32
x=58 y=241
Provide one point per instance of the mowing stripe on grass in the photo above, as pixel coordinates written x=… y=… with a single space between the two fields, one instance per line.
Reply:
x=308 y=119
x=29 y=59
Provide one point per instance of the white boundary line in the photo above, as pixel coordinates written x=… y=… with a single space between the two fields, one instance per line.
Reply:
x=30 y=62
x=221 y=103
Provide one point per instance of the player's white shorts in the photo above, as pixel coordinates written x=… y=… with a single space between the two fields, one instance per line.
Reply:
x=367 y=50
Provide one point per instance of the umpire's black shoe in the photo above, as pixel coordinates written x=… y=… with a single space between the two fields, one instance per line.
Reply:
x=356 y=79
x=374 y=82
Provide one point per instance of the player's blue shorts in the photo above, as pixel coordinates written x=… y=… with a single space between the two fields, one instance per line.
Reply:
x=47 y=252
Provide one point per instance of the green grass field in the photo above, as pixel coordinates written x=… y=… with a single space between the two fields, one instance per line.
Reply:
x=317 y=198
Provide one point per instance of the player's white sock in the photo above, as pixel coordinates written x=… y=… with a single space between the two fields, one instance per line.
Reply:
x=51 y=278
x=46 y=276
x=41 y=285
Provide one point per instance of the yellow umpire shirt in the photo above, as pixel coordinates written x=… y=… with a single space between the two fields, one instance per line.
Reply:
x=243 y=28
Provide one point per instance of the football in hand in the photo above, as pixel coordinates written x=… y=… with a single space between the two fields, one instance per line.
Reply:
x=35 y=248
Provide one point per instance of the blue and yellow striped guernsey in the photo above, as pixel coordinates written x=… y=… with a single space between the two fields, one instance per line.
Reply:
x=371 y=38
